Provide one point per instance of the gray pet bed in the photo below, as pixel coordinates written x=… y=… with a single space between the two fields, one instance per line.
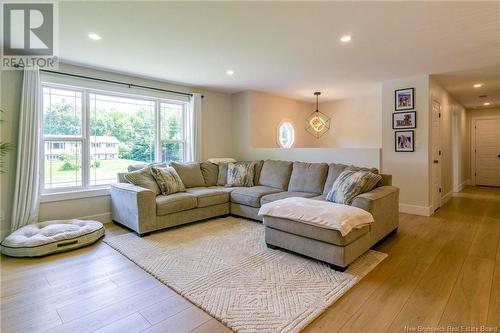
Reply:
x=49 y=237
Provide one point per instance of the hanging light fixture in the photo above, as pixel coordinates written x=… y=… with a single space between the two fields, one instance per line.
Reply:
x=317 y=123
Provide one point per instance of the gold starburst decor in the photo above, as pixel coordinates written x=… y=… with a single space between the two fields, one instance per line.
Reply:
x=317 y=123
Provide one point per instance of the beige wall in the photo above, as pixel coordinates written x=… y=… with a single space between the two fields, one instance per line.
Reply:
x=469 y=115
x=453 y=134
x=245 y=104
x=355 y=122
x=216 y=140
x=268 y=111
x=410 y=170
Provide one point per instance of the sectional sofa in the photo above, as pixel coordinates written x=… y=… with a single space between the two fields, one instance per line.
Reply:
x=206 y=196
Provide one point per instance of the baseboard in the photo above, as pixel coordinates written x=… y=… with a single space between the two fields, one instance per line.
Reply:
x=416 y=210
x=104 y=217
x=468 y=182
x=445 y=198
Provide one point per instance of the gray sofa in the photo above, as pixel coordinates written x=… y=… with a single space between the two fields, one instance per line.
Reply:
x=206 y=196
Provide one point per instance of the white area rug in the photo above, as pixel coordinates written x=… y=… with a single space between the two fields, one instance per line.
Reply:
x=224 y=267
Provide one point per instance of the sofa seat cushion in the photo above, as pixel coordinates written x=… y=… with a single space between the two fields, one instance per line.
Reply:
x=177 y=202
x=283 y=195
x=209 y=196
x=310 y=231
x=250 y=196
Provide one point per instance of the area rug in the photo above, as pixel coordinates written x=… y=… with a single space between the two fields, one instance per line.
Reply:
x=224 y=267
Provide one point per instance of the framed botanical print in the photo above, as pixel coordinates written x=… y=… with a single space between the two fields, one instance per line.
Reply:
x=402 y=120
x=404 y=141
x=404 y=99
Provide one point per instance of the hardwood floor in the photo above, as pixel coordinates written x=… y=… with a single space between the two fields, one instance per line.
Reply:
x=442 y=270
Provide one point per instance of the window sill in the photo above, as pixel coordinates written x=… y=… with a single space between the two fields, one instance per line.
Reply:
x=71 y=195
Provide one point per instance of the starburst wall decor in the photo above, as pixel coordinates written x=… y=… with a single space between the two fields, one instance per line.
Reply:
x=317 y=123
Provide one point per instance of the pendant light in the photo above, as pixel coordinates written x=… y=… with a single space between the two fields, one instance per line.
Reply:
x=317 y=123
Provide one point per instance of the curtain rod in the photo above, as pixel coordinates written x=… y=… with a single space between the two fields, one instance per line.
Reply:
x=130 y=85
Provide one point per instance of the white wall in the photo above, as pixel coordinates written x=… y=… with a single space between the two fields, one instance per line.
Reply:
x=409 y=170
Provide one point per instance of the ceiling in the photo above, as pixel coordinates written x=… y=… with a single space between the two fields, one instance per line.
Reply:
x=288 y=48
x=461 y=86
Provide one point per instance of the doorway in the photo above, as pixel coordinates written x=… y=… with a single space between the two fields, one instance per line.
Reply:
x=486 y=151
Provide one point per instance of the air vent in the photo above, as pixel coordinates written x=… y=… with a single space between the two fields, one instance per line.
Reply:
x=482 y=96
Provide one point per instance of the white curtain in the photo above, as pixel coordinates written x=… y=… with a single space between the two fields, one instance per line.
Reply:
x=193 y=129
x=26 y=192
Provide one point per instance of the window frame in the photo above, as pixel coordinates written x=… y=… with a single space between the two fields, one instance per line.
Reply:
x=85 y=137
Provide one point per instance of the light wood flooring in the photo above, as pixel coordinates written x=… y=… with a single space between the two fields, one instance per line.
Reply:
x=442 y=270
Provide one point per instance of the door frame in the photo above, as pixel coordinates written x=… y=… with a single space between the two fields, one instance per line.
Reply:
x=473 y=144
x=433 y=136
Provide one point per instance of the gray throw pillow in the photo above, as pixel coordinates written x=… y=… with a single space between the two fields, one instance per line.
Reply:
x=190 y=174
x=240 y=174
x=351 y=183
x=168 y=180
x=143 y=178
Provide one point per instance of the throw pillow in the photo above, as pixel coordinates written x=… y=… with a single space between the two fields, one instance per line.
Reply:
x=240 y=174
x=143 y=178
x=351 y=183
x=168 y=180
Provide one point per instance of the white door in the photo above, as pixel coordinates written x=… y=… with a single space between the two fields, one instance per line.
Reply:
x=436 y=155
x=487 y=152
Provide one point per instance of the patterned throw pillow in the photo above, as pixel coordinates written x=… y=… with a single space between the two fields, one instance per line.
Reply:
x=351 y=183
x=168 y=180
x=143 y=178
x=240 y=174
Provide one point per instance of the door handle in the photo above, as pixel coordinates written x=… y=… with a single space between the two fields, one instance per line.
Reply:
x=435 y=161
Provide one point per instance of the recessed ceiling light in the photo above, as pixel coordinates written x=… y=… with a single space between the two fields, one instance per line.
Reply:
x=486 y=103
x=345 y=39
x=94 y=36
x=230 y=72
x=478 y=85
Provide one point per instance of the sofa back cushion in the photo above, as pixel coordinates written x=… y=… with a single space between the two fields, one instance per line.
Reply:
x=308 y=177
x=139 y=166
x=210 y=172
x=334 y=170
x=276 y=174
x=190 y=174
x=222 y=175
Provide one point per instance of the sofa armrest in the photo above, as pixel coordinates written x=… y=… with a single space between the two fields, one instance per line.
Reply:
x=133 y=206
x=383 y=203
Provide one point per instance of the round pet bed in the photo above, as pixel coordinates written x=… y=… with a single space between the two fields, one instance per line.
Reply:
x=49 y=237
